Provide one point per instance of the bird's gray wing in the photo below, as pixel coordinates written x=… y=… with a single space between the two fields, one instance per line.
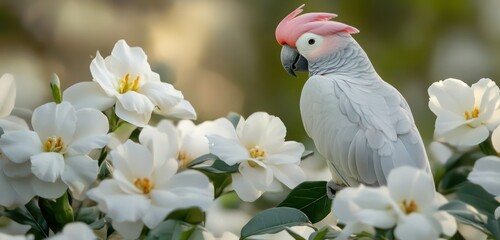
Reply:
x=386 y=137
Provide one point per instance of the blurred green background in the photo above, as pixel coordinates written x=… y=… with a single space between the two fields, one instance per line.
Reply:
x=223 y=56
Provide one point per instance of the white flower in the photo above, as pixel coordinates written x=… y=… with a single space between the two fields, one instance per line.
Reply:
x=258 y=145
x=192 y=140
x=75 y=231
x=361 y=209
x=7 y=94
x=486 y=173
x=125 y=78
x=56 y=151
x=465 y=115
x=144 y=190
x=416 y=204
x=409 y=202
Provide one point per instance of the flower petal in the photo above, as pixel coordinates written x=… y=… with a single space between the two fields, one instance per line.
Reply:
x=246 y=191
x=289 y=174
x=47 y=166
x=134 y=108
x=183 y=110
x=117 y=204
x=408 y=183
x=48 y=190
x=53 y=119
x=133 y=160
x=451 y=95
x=13 y=123
x=125 y=59
x=155 y=214
x=130 y=230
x=79 y=173
x=259 y=175
x=288 y=152
x=465 y=136
x=91 y=129
x=163 y=95
x=262 y=129
x=228 y=150
x=162 y=142
x=417 y=227
x=7 y=94
x=88 y=95
x=495 y=139
x=12 y=196
x=19 y=146
x=486 y=173
x=106 y=79
x=192 y=188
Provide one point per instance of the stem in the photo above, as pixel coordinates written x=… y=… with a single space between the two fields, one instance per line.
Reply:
x=487 y=147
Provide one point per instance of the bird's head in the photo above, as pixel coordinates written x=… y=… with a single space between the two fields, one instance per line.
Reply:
x=309 y=37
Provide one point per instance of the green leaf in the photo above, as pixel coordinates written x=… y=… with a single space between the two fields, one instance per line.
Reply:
x=202 y=159
x=234 y=118
x=220 y=166
x=31 y=215
x=192 y=215
x=170 y=229
x=90 y=216
x=311 y=199
x=466 y=159
x=87 y=215
x=219 y=180
x=466 y=214
x=326 y=232
x=57 y=213
x=274 y=220
x=484 y=202
x=294 y=235
x=453 y=179
x=306 y=154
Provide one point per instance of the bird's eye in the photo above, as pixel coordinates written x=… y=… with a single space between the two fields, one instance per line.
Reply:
x=311 y=41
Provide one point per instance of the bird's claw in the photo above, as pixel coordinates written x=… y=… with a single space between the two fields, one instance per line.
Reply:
x=332 y=188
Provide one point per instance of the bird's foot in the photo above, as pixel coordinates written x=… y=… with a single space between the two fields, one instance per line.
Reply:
x=332 y=188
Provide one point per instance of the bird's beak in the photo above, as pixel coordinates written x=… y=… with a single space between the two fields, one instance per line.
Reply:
x=292 y=60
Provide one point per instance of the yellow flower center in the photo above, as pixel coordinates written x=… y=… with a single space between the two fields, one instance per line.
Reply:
x=126 y=84
x=54 y=144
x=473 y=114
x=144 y=184
x=257 y=153
x=183 y=159
x=409 y=207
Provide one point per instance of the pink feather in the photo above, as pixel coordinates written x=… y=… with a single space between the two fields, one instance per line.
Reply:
x=293 y=26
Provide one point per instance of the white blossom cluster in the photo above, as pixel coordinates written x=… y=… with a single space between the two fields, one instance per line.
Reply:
x=150 y=176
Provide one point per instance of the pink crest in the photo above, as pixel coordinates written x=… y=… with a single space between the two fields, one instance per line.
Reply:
x=293 y=26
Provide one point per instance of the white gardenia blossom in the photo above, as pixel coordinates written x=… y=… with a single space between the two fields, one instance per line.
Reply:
x=54 y=156
x=486 y=173
x=75 y=231
x=258 y=146
x=193 y=142
x=465 y=115
x=408 y=202
x=144 y=189
x=124 y=79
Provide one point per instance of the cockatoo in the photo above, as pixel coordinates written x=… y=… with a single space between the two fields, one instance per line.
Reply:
x=362 y=125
